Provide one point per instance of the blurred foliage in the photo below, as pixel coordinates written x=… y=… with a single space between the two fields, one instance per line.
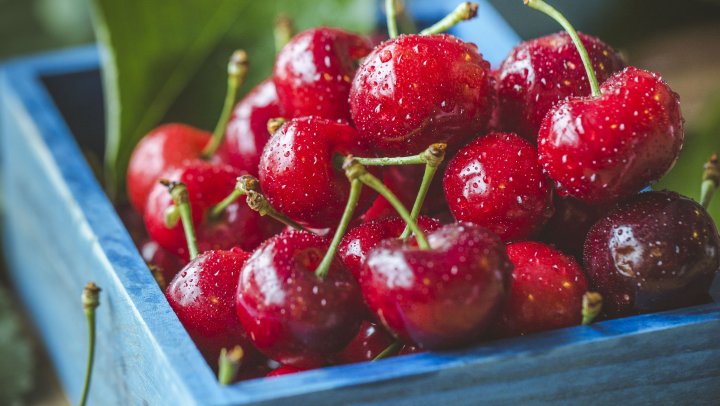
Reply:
x=16 y=367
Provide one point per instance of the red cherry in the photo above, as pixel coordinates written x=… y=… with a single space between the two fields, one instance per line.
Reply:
x=298 y=175
x=404 y=187
x=167 y=262
x=416 y=90
x=496 y=182
x=410 y=349
x=292 y=315
x=656 y=251
x=165 y=147
x=247 y=132
x=571 y=222
x=541 y=72
x=367 y=344
x=442 y=297
x=284 y=370
x=546 y=292
x=203 y=297
x=602 y=149
x=313 y=72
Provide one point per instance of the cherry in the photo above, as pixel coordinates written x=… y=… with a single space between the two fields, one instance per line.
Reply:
x=656 y=251
x=546 y=292
x=440 y=297
x=203 y=298
x=284 y=370
x=541 y=72
x=292 y=315
x=247 y=132
x=313 y=72
x=370 y=342
x=571 y=222
x=298 y=173
x=163 y=260
x=416 y=90
x=497 y=182
x=404 y=187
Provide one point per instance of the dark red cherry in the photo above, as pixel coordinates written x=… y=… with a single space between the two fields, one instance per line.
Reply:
x=165 y=147
x=358 y=242
x=546 y=292
x=497 y=182
x=247 y=132
x=203 y=297
x=442 y=297
x=656 y=251
x=602 y=149
x=410 y=349
x=416 y=90
x=571 y=222
x=313 y=72
x=299 y=176
x=372 y=340
x=167 y=262
x=284 y=370
x=541 y=72
x=292 y=315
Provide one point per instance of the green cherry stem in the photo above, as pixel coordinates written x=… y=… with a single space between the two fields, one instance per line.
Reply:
x=243 y=185
x=541 y=6
x=237 y=71
x=179 y=193
x=391 y=349
x=229 y=363
x=591 y=307
x=274 y=124
x=258 y=202
x=391 y=15
x=464 y=11
x=355 y=189
x=90 y=301
x=433 y=157
x=401 y=160
x=283 y=31
x=711 y=179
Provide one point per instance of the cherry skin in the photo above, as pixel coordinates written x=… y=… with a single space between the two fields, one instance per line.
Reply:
x=290 y=314
x=497 y=182
x=247 y=132
x=284 y=370
x=203 y=298
x=167 y=262
x=442 y=297
x=372 y=340
x=416 y=90
x=541 y=72
x=569 y=226
x=656 y=251
x=313 y=72
x=404 y=187
x=299 y=176
x=546 y=292
x=602 y=149
x=165 y=147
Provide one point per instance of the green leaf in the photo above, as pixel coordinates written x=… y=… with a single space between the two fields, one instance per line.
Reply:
x=165 y=60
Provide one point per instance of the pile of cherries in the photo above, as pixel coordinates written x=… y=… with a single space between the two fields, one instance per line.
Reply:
x=308 y=231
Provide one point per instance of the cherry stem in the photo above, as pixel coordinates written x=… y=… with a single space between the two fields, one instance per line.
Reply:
x=391 y=349
x=274 y=124
x=355 y=170
x=283 y=31
x=179 y=193
x=591 y=307
x=243 y=185
x=464 y=11
x=540 y=5
x=391 y=15
x=90 y=299
x=237 y=70
x=229 y=363
x=387 y=161
x=324 y=267
x=433 y=157
x=711 y=179
x=258 y=202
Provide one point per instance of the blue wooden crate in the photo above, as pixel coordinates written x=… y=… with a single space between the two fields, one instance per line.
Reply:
x=60 y=230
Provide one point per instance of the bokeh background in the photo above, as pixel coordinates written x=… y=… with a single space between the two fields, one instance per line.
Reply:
x=679 y=39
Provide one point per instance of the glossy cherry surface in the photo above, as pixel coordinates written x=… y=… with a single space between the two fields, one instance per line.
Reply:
x=546 y=291
x=416 y=90
x=543 y=71
x=656 y=251
x=291 y=315
x=442 y=297
x=371 y=340
x=497 y=182
x=284 y=370
x=602 y=149
x=298 y=174
x=165 y=147
x=247 y=133
x=314 y=71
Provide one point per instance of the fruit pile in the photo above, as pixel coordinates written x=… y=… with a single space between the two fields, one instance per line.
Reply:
x=284 y=241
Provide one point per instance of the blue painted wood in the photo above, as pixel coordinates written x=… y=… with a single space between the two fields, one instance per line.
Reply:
x=60 y=230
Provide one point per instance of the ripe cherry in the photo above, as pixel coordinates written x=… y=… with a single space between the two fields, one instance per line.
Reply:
x=292 y=315
x=371 y=340
x=168 y=263
x=546 y=292
x=497 y=182
x=416 y=90
x=544 y=71
x=441 y=297
x=656 y=251
x=284 y=370
x=313 y=72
